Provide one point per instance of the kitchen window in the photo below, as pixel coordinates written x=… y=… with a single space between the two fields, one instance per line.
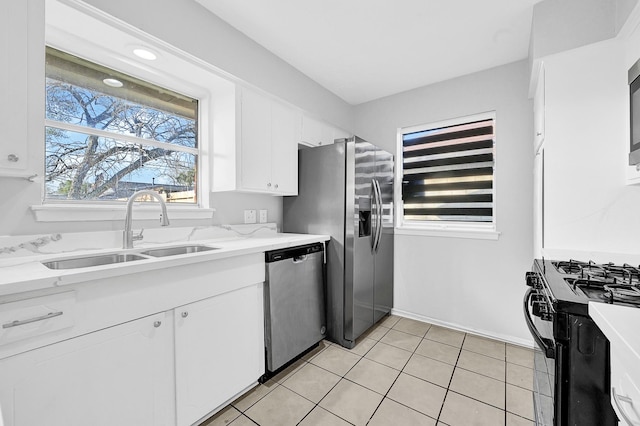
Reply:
x=447 y=177
x=108 y=135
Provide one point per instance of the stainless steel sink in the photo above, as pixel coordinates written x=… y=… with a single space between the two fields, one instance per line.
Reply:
x=173 y=251
x=87 y=261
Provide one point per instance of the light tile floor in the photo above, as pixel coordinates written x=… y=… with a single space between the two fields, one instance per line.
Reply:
x=402 y=372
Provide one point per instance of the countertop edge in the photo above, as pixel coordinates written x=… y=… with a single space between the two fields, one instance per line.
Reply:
x=22 y=279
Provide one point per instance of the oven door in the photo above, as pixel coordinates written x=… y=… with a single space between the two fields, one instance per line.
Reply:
x=535 y=309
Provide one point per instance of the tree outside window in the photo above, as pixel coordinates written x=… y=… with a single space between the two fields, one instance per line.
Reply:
x=109 y=135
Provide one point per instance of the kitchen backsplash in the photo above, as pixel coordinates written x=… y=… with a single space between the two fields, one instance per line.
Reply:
x=27 y=245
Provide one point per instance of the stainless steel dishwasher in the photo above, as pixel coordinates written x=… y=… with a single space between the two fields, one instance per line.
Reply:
x=294 y=303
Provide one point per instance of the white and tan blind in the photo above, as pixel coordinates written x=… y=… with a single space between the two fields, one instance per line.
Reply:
x=448 y=173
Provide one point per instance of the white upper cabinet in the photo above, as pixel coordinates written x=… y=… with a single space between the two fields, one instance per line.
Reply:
x=317 y=133
x=285 y=133
x=539 y=111
x=267 y=134
x=21 y=40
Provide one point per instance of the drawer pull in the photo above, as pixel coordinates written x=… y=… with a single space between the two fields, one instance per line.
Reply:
x=30 y=320
x=619 y=399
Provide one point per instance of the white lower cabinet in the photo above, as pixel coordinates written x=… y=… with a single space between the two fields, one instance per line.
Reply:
x=101 y=354
x=219 y=351
x=122 y=375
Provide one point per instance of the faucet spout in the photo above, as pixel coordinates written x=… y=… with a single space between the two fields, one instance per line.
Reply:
x=127 y=235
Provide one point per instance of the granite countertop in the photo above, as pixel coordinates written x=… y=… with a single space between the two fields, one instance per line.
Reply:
x=21 y=258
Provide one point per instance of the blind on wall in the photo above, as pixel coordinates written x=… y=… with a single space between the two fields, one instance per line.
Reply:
x=448 y=173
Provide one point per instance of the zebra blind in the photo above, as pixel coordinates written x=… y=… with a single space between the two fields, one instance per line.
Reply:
x=448 y=173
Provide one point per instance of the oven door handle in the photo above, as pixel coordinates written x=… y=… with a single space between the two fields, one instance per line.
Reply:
x=545 y=344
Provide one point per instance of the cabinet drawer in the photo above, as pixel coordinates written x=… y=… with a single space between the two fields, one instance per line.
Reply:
x=38 y=316
x=625 y=395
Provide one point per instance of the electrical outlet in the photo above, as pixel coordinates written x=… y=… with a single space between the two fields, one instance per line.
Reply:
x=249 y=216
x=263 y=216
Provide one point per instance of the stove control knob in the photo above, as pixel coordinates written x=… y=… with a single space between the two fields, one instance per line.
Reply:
x=536 y=308
x=529 y=276
x=532 y=280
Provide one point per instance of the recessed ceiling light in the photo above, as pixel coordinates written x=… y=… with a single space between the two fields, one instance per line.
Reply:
x=145 y=54
x=112 y=82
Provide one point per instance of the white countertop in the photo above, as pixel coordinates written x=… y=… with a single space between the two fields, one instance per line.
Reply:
x=22 y=271
x=620 y=325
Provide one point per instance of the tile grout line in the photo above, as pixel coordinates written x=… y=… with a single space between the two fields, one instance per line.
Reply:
x=451 y=379
x=505 y=384
x=396 y=379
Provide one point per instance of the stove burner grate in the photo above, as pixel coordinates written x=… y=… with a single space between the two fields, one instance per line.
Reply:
x=621 y=293
x=608 y=273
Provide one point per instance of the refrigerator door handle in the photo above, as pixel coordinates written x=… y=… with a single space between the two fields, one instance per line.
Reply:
x=374 y=220
x=378 y=194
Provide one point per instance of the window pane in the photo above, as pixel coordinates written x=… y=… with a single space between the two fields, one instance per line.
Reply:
x=87 y=167
x=90 y=108
x=111 y=159
x=78 y=72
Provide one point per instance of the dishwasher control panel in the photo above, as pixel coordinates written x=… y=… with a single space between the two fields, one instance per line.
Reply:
x=287 y=253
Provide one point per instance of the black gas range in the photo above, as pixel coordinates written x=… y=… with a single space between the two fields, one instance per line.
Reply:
x=572 y=366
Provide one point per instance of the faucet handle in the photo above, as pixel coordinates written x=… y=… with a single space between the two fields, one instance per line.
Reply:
x=139 y=236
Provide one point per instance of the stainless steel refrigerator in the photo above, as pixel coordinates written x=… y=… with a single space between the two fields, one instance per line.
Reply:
x=346 y=190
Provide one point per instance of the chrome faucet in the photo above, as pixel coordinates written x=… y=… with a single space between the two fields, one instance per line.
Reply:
x=127 y=235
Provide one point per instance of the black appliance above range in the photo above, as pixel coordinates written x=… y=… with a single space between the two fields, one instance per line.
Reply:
x=572 y=358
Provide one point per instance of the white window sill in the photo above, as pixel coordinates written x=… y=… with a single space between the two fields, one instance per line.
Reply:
x=475 y=234
x=85 y=212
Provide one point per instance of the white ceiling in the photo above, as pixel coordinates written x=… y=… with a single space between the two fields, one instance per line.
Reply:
x=367 y=49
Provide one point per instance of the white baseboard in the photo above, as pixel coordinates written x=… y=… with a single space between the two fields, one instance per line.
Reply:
x=482 y=333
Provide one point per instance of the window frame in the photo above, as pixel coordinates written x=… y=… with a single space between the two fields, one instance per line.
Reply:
x=473 y=230
x=204 y=82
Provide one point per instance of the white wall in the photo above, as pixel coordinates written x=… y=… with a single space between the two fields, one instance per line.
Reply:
x=590 y=212
x=474 y=285
x=186 y=25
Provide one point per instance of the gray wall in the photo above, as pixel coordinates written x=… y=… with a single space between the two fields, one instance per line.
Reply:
x=471 y=284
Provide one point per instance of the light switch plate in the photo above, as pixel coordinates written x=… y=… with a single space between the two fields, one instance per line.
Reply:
x=249 y=216
x=263 y=216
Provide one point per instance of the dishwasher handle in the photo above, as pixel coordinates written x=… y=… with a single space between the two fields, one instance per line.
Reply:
x=300 y=259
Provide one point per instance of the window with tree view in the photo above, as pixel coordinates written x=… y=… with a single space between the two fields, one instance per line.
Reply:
x=109 y=135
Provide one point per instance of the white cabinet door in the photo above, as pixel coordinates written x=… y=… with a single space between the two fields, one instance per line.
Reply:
x=219 y=351
x=19 y=30
x=268 y=145
x=313 y=132
x=255 y=145
x=121 y=375
x=284 y=149
x=317 y=133
x=539 y=111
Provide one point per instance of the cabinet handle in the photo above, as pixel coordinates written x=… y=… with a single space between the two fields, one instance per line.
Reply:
x=157 y=324
x=276 y=186
x=185 y=314
x=619 y=399
x=539 y=134
x=269 y=185
x=13 y=158
x=30 y=320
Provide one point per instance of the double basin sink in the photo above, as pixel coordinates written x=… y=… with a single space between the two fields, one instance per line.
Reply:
x=115 y=258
